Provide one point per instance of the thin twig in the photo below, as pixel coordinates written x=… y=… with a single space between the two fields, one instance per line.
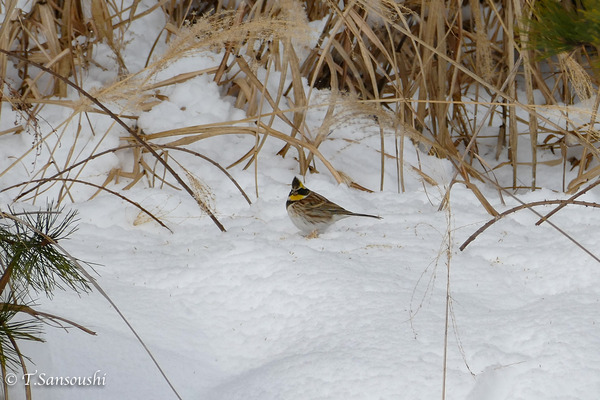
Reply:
x=530 y=206
x=570 y=200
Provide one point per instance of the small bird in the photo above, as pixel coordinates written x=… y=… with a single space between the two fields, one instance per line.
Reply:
x=313 y=213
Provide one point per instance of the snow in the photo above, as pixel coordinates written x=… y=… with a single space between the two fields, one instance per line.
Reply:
x=261 y=312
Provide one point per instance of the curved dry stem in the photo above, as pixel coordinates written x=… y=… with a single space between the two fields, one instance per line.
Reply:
x=215 y=130
x=129 y=146
x=570 y=200
x=43 y=315
x=64 y=171
x=97 y=187
x=210 y=160
x=530 y=206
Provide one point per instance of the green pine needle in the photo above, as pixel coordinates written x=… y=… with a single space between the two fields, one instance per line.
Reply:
x=28 y=247
x=564 y=26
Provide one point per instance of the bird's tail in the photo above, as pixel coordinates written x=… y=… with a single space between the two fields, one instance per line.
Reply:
x=365 y=215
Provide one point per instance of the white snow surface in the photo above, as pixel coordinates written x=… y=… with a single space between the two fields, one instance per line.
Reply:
x=260 y=312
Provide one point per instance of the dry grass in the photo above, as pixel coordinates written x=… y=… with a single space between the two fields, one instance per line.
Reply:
x=417 y=69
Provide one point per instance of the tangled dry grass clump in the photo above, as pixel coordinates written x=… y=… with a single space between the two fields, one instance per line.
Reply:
x=437 y=71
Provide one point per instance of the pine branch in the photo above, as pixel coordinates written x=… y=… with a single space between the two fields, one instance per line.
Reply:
x=560 y=26
x=31 y=257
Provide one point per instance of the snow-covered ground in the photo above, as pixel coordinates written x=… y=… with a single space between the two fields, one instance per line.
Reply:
x=260 y=312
